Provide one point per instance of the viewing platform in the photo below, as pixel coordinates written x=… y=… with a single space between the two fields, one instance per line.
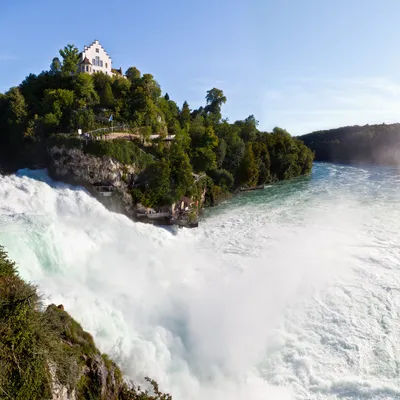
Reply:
x=104 y=190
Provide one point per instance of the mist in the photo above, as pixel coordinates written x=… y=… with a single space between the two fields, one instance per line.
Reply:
x=209 y=313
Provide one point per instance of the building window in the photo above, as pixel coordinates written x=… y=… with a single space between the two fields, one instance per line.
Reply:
x=97 y=50
x=97 y=61
x=87 y=68
x=101 y=63
x=93 y=61
x=106 y=65
x=106 y=73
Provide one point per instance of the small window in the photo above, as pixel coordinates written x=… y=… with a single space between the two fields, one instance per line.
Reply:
x=106 y=73
x=87 y=68
x=93 y=62
x=106 y=65
x=97 y=61
x=101 y=63
x=97 y=50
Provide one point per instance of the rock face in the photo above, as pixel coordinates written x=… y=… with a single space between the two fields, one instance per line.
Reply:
x=75 y=167
x=110 y=182
x=89 y=374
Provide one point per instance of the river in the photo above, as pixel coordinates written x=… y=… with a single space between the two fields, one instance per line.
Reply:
x=292 y=292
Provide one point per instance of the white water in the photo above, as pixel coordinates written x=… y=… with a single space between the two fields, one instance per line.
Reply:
x=288 y=293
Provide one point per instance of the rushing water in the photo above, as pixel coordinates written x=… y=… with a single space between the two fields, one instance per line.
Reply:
x=292 y=292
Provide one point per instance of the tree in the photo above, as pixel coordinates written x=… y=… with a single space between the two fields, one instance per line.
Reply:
x=248 y=128
x=151 y=87
x=58 y=104
x=262 y=157
x=159 y=183
x=184 y=116
x=85 y=93
x=221 y=152
x=55 y=66
x=215 y=98
x=247 y=173
x=235 y=145
x=132 y=73
x=222 y=178
x=181 y=170
x=106 y=97
x=70 y=55
x=16 y=116
x=166 y=97
x=83 y=119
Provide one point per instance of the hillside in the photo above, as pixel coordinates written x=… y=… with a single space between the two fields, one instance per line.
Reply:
x=45 y=353
x=181 y=140
x=375 y=144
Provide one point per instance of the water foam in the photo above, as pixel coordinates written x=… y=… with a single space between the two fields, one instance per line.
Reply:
x=265 y=300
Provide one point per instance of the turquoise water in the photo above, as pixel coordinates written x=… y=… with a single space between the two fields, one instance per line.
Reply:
x=291 y=292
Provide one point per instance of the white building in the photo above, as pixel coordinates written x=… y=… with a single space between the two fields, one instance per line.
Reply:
x=95 y=59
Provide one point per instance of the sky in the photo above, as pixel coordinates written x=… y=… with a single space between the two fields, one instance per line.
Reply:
x=301 y=65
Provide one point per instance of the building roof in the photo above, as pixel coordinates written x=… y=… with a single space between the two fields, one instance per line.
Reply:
x=96 y=43
x=85 y=61
x=117 y=71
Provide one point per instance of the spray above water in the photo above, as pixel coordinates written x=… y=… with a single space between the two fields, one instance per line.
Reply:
x=252 y=305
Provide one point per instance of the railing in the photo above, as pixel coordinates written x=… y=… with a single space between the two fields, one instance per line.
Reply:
x=110 y=129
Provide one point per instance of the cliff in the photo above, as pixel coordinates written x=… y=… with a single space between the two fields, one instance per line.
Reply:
x=72 y=165
x=45 y=354
x=112 y=182
x=375 y=144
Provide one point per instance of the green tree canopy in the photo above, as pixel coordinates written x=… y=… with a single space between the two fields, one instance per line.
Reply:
x=70 y=56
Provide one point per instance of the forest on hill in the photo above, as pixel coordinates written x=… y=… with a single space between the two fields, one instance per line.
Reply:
x=62 y=100
x=375 y=144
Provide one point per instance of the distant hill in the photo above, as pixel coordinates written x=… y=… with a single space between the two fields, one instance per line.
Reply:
x=376 y=144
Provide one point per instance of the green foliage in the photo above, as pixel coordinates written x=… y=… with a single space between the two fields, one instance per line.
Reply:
x=248 y=170
x=55 y=66
x=85 y=92
x=158 y=184
x=59 y=104
x=132 y=73
x=15 y=117
x=62 y=101
x=106 y=97
x=70 y=55
x=222 y=178
x=84 y=119
x=204 y=141
x=38 y=348
x=377 y=144
x=184 y=117
x=215 y=98
x=125 y=152
x=181 y=171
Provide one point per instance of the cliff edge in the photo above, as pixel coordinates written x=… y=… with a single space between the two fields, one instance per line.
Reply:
x=46 y=355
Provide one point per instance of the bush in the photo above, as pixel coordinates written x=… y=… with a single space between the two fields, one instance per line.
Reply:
x=222 y=177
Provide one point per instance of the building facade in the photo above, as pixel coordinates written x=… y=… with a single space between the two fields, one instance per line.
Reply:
x=95 y=59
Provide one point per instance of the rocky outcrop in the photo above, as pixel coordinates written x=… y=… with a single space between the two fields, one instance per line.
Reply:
x=111 y=182
x=77 y=168
x=47 y=355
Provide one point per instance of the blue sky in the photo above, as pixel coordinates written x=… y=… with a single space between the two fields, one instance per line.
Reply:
x=302 y=65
